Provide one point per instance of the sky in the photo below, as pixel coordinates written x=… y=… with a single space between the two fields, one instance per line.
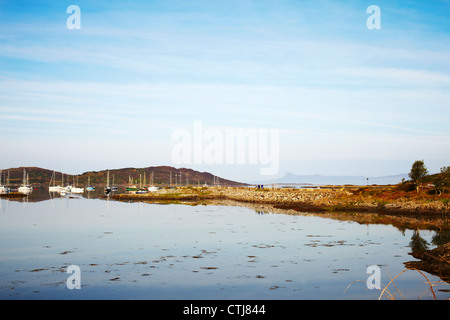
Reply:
x=342 y=98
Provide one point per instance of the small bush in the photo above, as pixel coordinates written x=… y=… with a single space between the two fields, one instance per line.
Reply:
x=406 y=186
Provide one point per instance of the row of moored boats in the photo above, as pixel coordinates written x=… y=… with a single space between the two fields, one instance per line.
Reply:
x=26 y=187
x=69 y=188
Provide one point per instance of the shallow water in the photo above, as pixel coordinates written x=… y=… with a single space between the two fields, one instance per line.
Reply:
x=153 y=251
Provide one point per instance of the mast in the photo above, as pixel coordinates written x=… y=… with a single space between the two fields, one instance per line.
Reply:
x=24 y=180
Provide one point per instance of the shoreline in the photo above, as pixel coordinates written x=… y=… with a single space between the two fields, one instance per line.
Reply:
x=13 y=195
x=362 y=205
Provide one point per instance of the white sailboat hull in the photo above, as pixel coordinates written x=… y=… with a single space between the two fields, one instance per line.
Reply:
x=25 y=189
x=77 y=190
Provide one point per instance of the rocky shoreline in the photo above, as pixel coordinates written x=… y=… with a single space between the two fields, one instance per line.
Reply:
x=365 y=206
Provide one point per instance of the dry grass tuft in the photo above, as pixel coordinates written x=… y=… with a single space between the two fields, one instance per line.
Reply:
x=392 y=294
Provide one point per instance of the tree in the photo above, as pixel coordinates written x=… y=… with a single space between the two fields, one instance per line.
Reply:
x=445 y=172
x=438 y=183
x=418 y=172
x=441 y=180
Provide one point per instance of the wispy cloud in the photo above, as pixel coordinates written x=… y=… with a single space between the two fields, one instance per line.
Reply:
x=310 y=69
x=399 y=76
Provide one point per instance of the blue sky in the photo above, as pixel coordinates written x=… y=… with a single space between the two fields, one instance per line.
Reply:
x=347 y=100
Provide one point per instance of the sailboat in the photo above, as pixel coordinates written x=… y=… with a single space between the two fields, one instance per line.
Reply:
x=131 y=186
x=25 y=187
x=77 y=189
x=108 y=187
x=53 y=188
x=3 y=189
x=151 y=187
x=89 y=187
x=141 y=190
x=64 y=190
x=8 y=188
x=69 y=187
x=114 y=187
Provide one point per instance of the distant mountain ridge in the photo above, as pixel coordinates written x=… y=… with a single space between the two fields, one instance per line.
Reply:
x=317 y=179
x=161 y=176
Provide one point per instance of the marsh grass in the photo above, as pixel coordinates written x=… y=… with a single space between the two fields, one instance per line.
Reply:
x=392 y=292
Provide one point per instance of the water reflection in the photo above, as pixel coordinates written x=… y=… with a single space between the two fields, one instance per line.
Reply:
x=418 y=244
x=441 y=237
x=435 y=260
x=228 y=250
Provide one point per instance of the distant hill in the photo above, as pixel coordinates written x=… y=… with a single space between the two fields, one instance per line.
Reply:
x=161 y=176
x=317 y=179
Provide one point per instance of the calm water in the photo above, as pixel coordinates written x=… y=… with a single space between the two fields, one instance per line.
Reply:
x=152 y=251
